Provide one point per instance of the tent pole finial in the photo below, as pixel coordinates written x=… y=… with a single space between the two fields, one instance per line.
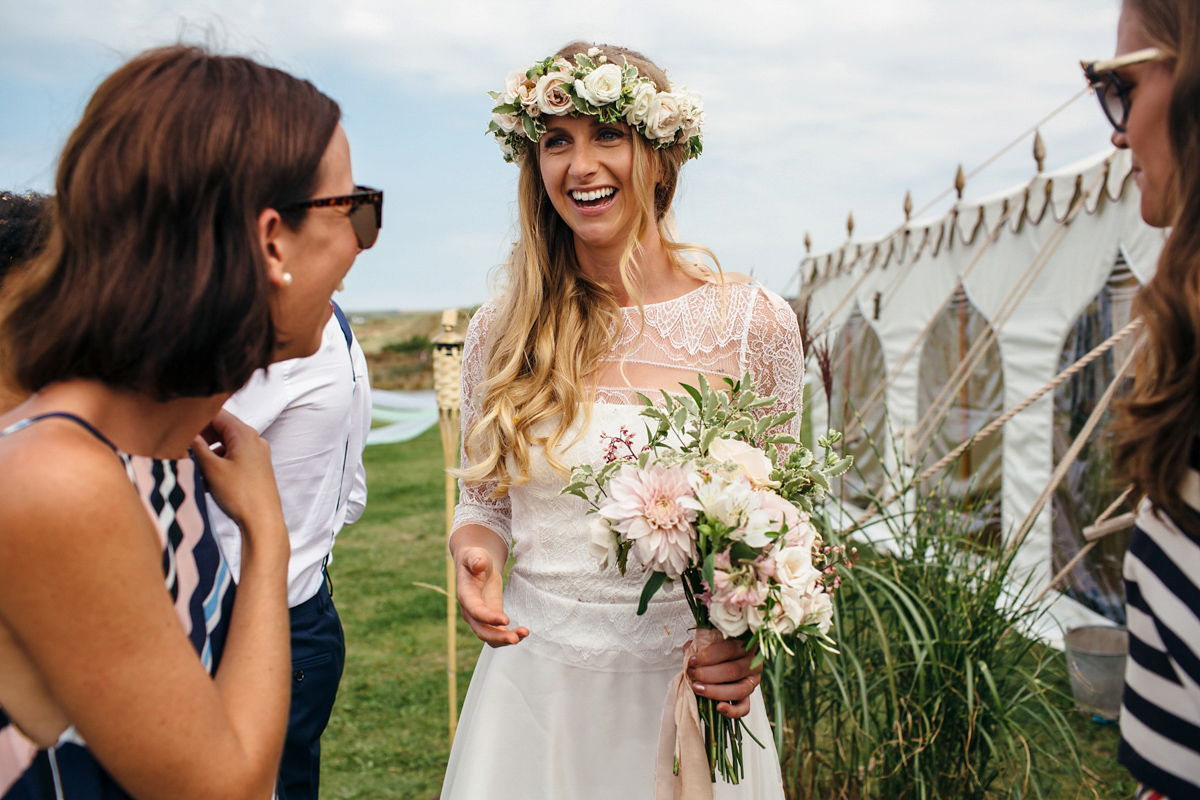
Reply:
x=850 y=226
x=807 y=242
x=908 y=206
x=1039 y=151
x=960 y=181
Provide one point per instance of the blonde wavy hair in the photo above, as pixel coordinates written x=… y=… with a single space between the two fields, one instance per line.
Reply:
x=554 y=323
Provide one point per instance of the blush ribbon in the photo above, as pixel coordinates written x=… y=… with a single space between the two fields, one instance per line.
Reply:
x=681 y=737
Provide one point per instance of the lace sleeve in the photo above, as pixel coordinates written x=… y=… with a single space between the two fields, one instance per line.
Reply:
x=774 y=355
x=476 y=505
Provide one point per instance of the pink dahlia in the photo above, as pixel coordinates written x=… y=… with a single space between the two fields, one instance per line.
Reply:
x=644 y=507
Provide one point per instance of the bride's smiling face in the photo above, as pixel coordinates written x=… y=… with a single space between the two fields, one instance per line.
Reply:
x=587 y=168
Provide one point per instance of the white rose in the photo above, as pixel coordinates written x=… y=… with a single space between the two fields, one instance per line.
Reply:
x=788 y=613
x=511 y=81
x=526 y=96
x=602 y=545
x=560 y=64
x=785 y=616
x=731 y=622
x=638 y=110
x=507 y=122
x=693 y=113
x=801 y=533
x=794 y=568
x=754 y=462
x=551 y=97
x=593 y=52
x=755 y=618
x=820 y=612
x=664 y=117
x=601 y=86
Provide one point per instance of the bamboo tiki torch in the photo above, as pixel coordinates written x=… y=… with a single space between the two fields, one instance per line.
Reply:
x=447 y=373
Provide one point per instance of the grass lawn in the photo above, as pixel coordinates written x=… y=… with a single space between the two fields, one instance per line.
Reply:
x=388 y=735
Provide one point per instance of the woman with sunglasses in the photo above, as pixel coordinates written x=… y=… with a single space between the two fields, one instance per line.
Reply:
x=1151 y=93
x=599 y=303
x=197 y=237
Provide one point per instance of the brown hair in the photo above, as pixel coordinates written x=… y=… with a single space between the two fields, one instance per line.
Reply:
x=153 y=279
x=23 y=226
x=555 y=324
x=1157 y=425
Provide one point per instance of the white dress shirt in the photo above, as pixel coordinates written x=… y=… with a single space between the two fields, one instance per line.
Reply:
x=315 y=413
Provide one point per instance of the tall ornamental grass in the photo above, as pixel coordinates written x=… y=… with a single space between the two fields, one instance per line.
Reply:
x=935 y=694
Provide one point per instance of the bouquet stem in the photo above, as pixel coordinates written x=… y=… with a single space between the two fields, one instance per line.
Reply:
x=723 y=742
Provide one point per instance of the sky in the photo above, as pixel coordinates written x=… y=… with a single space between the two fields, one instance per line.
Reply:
x=815 y=108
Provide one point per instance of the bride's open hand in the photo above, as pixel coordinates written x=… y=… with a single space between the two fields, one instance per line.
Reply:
x=481 y=597
x=722 y=671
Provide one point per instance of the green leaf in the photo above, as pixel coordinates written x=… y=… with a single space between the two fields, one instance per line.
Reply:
x=739 y=425
x=653 y=584
x=708 y=438
x=506 y=108
x=762 y=426
x=681 y=417
x=530 y=128
x=708 y=568
x=740 y=551
x=688 y=402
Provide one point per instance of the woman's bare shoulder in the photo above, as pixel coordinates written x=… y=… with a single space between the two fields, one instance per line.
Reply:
x=61 y=485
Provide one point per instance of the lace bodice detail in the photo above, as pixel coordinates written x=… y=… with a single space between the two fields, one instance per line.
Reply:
x=574 y=610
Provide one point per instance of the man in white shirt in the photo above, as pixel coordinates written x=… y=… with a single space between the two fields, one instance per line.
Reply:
x=315 y=412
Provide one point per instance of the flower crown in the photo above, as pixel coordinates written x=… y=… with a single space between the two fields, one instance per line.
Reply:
x=599 y=88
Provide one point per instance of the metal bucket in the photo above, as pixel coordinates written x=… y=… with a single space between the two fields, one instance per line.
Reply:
x=1096 y=664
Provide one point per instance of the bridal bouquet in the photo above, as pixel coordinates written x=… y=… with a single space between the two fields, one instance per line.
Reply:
x=711 y=503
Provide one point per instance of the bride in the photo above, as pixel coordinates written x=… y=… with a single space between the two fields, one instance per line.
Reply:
x=598 y=303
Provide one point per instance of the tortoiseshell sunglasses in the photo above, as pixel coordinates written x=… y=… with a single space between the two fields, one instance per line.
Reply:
x=365 y=223
x=1111 y=91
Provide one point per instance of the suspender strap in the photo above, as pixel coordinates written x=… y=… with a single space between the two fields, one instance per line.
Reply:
x=343 y=322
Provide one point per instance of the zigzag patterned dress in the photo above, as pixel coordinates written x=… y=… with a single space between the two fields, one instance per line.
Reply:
x=201 y=588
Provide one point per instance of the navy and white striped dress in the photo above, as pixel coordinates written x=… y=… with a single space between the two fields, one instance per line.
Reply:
x=201 y=588
x=1160 y=709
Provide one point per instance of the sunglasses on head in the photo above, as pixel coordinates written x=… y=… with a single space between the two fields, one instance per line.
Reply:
x=1111 y=91
x=366 y=211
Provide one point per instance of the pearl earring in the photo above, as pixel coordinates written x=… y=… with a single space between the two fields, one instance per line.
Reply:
x=287 y=279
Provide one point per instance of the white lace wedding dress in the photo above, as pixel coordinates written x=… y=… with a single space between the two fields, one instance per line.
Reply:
x=573 y=711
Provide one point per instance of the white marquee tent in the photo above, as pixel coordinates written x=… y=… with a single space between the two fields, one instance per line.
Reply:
x=1029 y=264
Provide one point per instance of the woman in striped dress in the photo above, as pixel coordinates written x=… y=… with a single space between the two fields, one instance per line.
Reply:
x=200 y=227
x=1151 y=93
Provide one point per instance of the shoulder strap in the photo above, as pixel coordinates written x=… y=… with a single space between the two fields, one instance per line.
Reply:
x=25 y=423
x=344 y=323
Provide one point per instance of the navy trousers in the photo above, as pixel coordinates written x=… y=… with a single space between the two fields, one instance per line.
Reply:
x=318 y=656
